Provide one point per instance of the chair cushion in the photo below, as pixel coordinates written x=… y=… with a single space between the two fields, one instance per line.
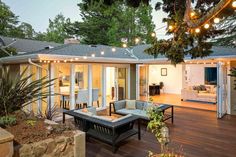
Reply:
x=130 y=105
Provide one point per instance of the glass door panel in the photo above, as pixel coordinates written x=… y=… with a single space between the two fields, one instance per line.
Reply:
x=143 y=82
x=122 y=86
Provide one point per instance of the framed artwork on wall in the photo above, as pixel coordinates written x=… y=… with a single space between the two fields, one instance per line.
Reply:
x=163 y=71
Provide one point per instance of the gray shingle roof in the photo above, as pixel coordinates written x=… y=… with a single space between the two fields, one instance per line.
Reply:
x=86 y=50
x=26 y=45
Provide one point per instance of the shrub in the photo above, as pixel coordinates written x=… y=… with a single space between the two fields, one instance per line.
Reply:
x=17 y=92
x=7 y=121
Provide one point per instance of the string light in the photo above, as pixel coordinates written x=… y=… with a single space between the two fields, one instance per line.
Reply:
x=170 y=27
x=102 y=52
x=216 y=20
x=124 y=45
x=113 y=49
x=234 y=4
x=206 y=26
x=197 y=30
x=192 y=14
x=153 y=34
x=137 y=40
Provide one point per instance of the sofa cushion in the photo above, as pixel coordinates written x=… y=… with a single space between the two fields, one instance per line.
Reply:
x=139 y=104
x=147 y=106
x=119 y=104
x=130 y=105
x=136 y=112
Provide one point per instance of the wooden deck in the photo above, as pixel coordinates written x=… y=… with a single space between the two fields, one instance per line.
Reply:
x=197 y=131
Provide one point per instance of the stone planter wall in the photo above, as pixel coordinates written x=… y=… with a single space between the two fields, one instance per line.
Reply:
x=6 y=143
x=73 y=146
x=61 y=146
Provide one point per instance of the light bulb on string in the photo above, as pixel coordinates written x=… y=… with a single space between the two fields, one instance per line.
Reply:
x=216 y=20
x=197 y=30
x=153 y=34
x=137 y=40
x=206 y=26
x=170 y=27
x=234 y=4
x=124 y=45
x=113 y=49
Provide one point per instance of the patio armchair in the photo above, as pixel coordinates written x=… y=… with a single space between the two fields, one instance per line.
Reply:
x=95 y=96
x=82 y=98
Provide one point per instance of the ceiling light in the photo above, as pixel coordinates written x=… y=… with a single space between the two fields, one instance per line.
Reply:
x=197 y=30
x=58 y=61
x=40 y=61
x=102 y=52
x=93 y=55
x=65 y=61
x=48 y=61
x=76 y=58
x=216 y=20
x=113 y=49
x=206 y=26
x=85 y=57
x=45 y=61
x=71 y=60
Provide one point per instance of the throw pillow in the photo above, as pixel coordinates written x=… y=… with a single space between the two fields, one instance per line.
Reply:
x=130 y=105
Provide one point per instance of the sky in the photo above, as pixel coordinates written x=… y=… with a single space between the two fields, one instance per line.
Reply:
x=38 y=12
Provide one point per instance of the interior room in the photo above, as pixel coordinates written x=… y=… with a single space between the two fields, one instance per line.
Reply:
x=187 y=85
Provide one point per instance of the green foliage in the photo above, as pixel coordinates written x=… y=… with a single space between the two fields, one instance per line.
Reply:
x=108 y=24
x=49 y=114
x=10 y=25
x=7 y=121
x=30 y=122
x=156 y=122
x=17 y=92
x=56 y=31
x=10 y=50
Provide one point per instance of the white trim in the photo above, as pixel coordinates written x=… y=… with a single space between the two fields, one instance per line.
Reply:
x=137 y=82
x=39 y=102
x=128 y=90
x=29 y=71
x=90 y=85
x=229 y=90
x=72 y=86
x=52 y=76
x=104 y=86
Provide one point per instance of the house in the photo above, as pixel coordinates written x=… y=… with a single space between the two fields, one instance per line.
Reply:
x=128 y=73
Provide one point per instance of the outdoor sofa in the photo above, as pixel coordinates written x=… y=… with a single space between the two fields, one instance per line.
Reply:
x=139 y=108
x=102 y=128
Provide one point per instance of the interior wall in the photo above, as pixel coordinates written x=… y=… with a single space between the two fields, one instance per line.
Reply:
x=232 y=91
x=110 y=79
x=195 y=74
x=173 y=80
x=133 y=81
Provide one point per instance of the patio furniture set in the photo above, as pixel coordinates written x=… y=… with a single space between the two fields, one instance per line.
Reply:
x=115 y=130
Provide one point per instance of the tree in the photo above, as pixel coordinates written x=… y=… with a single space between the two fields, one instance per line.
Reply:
x=108 y=24
x=188 y=38
x=56 y=31
x=229 y=36
x=8 y=20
